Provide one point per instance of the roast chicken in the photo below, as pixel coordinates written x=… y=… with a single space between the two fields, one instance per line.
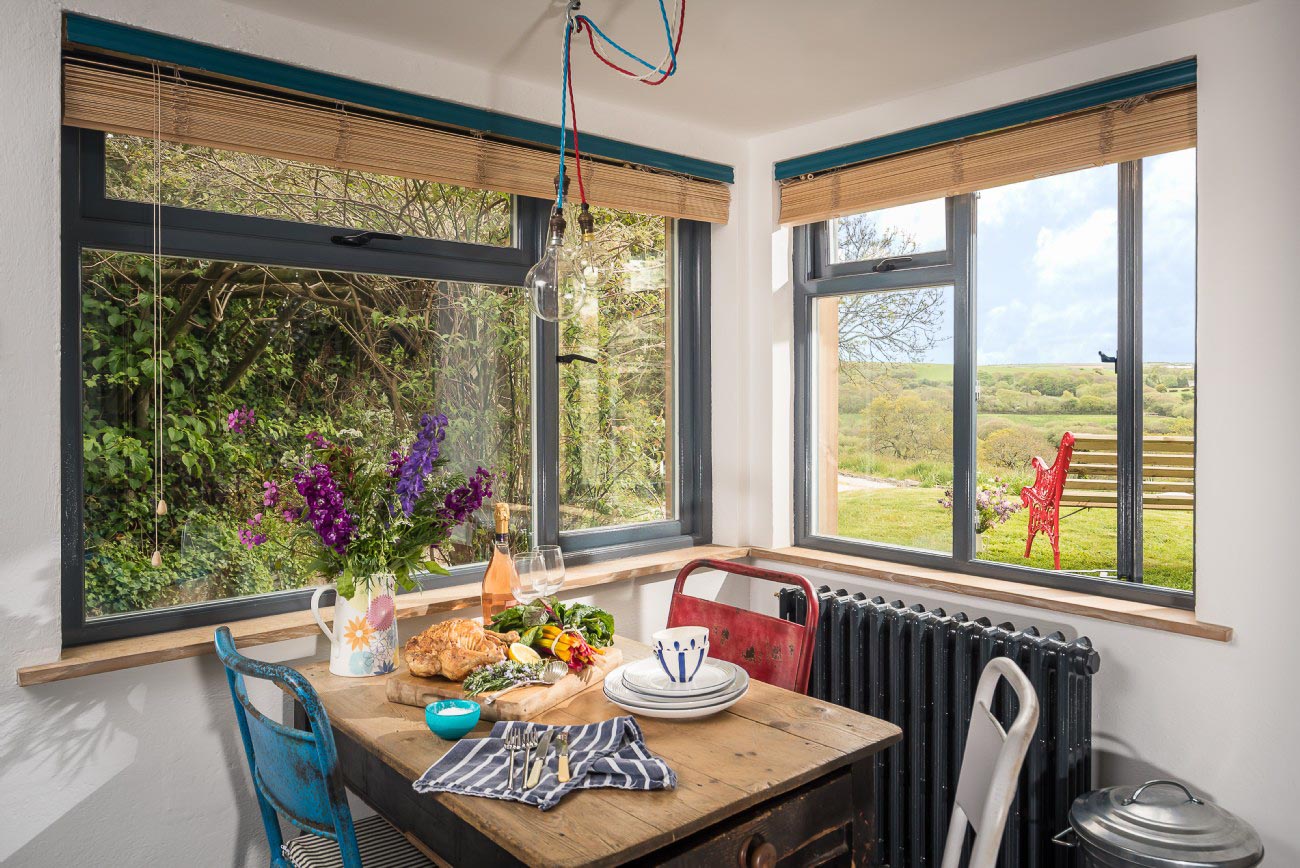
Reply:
x=455 y=648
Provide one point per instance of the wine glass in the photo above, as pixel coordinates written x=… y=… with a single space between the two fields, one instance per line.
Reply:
x=529 y=580
x=553 y=560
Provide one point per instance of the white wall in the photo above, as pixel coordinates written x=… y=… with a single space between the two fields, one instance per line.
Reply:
x=1221 y=716
x=143 y=767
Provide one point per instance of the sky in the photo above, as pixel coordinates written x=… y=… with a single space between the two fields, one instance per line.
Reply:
x=1046 y=264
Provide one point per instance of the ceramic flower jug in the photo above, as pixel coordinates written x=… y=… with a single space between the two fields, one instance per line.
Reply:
x=364 y=638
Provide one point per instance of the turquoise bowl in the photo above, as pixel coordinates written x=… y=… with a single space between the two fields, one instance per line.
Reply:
x=452 y=726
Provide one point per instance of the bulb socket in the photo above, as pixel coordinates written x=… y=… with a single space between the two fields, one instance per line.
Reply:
x=556 y=226
x=587 y=223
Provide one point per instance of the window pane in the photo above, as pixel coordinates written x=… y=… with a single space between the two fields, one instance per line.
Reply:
x=304 y=350
x=1047 y=305
x=233 y=182
x=900 y=231
x=1169 y=366
x=883 y=380
x=617 y=449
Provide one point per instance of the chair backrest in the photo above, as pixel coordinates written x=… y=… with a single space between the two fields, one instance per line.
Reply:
x=770 y=649
x=1052 y=480
x=990 y=766
x=295 y=773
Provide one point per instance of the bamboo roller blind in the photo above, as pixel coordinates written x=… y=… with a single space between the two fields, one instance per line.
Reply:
x=1115 y=133
x=119 y=99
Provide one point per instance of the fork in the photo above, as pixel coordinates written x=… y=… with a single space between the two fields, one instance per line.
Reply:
x=514 y=744
x=530 y=740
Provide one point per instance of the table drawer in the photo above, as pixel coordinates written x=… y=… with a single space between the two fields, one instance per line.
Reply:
x=809 y=826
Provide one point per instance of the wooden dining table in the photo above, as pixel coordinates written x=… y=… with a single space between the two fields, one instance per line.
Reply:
x=777 y=777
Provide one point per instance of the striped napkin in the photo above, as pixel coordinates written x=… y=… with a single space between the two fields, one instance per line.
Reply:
x=611 y=753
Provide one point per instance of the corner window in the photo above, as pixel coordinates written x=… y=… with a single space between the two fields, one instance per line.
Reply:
x=264 y=313
x=1048 y=342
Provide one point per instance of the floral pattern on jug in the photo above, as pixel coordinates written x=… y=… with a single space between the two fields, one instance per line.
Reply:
x=364 y=639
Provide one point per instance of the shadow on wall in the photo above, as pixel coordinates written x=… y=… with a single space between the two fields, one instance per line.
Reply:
x=132 y=768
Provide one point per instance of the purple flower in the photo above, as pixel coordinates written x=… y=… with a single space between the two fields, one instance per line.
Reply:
x=419 y=464
x=324 y=507
x=240 y=420
x=291 y=515
x=271 y=495
x=395 y=461
x=249 y=536
x=465 y=500
x=315 y=439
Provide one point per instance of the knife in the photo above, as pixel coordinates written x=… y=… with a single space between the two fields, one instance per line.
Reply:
x=540 y=759
x=562 y=764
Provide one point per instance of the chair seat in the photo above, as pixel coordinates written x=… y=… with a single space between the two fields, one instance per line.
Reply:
x=381 y=846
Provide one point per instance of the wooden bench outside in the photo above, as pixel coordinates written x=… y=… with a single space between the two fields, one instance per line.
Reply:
x=1168 y=472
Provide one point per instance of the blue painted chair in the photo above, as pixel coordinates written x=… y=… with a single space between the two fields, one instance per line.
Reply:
x=296 y=776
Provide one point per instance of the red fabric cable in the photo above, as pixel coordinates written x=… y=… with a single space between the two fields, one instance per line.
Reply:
x=573 y=111
x=591 y=38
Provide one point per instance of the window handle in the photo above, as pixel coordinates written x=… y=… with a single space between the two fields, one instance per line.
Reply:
x=1111 y=360
x=364 y=238
x=569 y=358
x=889 y=263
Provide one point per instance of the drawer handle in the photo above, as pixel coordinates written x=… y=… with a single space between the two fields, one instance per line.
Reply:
x=757 y=853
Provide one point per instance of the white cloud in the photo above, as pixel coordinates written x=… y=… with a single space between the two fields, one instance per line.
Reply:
x=1078 y=253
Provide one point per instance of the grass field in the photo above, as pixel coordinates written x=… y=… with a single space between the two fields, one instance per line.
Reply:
x=912 y=517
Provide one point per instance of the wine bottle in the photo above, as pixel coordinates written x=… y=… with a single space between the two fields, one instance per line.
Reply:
x=497 y=595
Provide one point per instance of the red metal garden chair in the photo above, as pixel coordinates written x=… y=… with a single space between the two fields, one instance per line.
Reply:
x=770 y=649
x=1044 y=498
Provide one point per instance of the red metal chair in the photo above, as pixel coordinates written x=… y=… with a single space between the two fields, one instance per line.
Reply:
x=1044 y=498
x=770 y=649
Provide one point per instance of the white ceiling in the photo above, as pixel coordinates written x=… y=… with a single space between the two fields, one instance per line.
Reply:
x=753 y=66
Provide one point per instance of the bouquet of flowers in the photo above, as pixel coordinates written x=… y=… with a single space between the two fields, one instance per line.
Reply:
x=365 y=515
x=992 y=506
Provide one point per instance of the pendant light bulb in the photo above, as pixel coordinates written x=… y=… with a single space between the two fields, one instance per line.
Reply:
x=556 y=287
x=588 y=250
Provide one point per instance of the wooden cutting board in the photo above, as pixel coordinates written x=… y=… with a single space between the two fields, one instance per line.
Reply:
x=523 y=703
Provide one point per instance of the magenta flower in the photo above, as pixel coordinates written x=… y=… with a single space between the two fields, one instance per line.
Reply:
x=323 y=507
x=291 y=515
x=465 y=500
x=240 y=420
x=395 y=461
x=250 y=537
x=271 y=495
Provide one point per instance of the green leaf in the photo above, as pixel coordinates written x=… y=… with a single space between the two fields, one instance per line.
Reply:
x=436 y=568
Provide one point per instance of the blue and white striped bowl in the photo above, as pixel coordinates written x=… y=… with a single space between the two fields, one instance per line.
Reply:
x=681 y=652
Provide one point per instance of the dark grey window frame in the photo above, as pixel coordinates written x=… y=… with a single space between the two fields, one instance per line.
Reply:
x=815 y=276
x=90 y=220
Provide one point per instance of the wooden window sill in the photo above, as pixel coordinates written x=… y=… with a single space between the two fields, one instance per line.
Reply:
x=1055 y=600
x=195 y=641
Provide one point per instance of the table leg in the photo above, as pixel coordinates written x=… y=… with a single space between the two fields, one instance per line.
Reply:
x=864 y=812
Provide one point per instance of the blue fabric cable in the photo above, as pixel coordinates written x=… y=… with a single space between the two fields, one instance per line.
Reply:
x=564 y=113
x=672 y=49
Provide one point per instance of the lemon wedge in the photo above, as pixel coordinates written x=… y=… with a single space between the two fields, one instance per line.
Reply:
x=521 y=653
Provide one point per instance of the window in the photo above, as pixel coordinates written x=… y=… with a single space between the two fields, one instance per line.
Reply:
x=926 y=389
x=231 y=182
x=262 y=311
x=617 y=391
x=901 y=231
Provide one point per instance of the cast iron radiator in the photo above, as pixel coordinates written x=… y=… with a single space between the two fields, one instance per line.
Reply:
x=918 y=669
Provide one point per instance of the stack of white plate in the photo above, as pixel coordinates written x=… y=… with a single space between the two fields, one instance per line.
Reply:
x=644 y=688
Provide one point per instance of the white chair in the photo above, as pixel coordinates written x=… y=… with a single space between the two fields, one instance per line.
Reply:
x=990 y=767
